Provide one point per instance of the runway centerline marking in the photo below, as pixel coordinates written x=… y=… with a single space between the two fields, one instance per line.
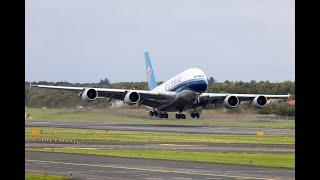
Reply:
x=144 y=169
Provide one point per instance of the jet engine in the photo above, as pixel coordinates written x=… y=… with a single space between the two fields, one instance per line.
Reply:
x=89 y=95
x=231 y=102
x=260 y=101
x=132 y=97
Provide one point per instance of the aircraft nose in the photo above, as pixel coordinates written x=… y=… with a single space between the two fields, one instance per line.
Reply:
x=199 y=85
x=205 y=86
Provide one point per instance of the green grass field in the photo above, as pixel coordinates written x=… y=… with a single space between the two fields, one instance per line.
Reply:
x=100 y=116
x=38 y=176
x=284 y=160
x=137 y=136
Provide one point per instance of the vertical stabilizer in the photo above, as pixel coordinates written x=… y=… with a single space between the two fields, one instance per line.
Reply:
x=151 y=79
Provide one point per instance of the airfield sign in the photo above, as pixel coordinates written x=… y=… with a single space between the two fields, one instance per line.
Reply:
x=36 y=132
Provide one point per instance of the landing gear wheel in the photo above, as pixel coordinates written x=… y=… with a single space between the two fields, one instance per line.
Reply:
x=180 y=116
x=195 y=115
x=160 y=115
x=165 y=116
x=151 y=113
x=192 y=115
x=155 y=113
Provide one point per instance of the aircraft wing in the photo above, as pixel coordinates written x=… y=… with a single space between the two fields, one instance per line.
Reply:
x=218 y=98
x=148 y=98
x=242 y=97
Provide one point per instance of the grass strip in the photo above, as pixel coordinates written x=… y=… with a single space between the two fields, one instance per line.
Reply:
x=283 y=160
x=40 y=176
x=139 y=136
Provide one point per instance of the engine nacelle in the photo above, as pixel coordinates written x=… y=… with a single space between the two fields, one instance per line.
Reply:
x=260 y=101
x=231 y=102
x=89 y=95
x=132 y=97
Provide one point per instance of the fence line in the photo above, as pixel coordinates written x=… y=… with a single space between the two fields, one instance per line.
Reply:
x=50 y=141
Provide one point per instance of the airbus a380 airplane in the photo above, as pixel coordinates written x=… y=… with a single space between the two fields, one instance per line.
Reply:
x=182 y=92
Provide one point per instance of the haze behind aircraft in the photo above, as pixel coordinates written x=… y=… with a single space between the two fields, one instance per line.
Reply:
x=180 y=93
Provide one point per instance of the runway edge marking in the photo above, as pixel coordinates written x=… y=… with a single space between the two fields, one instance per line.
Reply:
x=143 y=169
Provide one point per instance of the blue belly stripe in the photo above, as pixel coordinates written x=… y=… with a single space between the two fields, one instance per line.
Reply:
x=198 y=85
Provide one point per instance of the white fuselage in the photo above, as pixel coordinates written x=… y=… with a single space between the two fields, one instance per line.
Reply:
x=192 y=75
x=187 y=85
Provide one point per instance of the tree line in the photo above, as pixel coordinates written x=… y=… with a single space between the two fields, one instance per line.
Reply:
x=37 y=97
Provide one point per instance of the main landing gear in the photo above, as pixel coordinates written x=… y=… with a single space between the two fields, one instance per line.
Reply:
x=180 y=116
x=160 y=115
x=195 y=115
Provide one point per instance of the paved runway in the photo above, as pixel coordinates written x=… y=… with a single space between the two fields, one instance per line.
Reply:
x=104 y=167
x=161 y=128
x=173 y=146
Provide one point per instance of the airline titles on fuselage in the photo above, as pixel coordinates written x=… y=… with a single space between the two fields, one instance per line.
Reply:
x=173 y=83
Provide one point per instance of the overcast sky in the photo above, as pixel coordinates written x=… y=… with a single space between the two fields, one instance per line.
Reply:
x=86 y=40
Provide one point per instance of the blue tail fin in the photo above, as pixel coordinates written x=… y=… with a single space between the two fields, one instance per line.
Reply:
x=151 y=79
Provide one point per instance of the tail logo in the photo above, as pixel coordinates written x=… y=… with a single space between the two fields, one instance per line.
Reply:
x=152 y=83
x=148 y=74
